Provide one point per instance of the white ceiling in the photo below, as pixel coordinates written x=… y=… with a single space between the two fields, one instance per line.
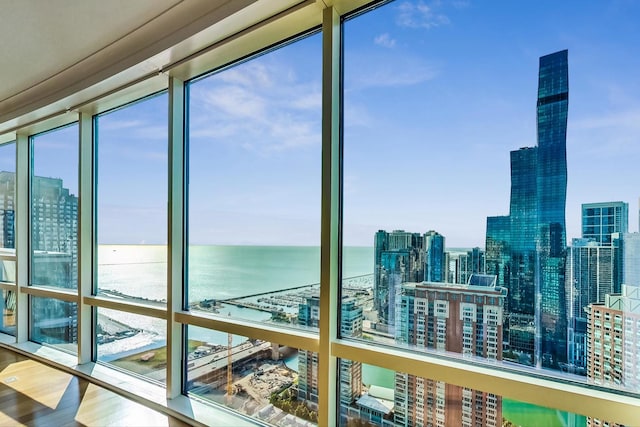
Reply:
x=50 y=49
x=62 y=55
x=39 y=39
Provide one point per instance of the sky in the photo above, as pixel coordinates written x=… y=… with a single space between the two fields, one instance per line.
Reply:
x=436 y=95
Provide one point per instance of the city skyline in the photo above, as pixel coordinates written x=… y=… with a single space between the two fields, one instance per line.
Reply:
x=431 y=67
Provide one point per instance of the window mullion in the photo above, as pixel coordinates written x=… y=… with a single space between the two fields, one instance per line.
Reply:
x=85 y=236
x=330 y=211
x=22 y=236
x=176 y=235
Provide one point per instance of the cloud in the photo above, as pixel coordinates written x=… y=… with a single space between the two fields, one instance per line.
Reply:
x=420 y=15
x=388 y=71
x=614 y=135
x=111 y=125
x=261 y=107
x=385 y=40
x=629 y=119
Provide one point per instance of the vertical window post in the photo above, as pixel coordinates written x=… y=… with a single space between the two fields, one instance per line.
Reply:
x=330 y=241
x=85 y=235
x=176 y=235
x=22 y=236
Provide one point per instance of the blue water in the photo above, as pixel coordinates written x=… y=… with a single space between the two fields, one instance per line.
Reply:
x=215 y=272
x=220 y=272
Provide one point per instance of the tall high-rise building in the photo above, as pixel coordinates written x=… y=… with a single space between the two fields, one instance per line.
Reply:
x=399 y=258
x=613 y=344
x=553 y=102
x=458 y=318
x=498 y=250
x=461 y=265
x=590 y=276
x=435 y=265
x=630 y=254
x=54 y=244
x=350 y=371
x=54 y=251
x=7 y=210
x=601 y=220
x=532 y=251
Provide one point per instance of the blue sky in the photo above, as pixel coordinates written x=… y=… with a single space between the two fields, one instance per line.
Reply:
x=436 y=96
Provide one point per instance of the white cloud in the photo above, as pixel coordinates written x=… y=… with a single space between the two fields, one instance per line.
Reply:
x=629 y=120
x=420 y=15
x=258 y=107
x=400 y=71
x=110 y=125
x=385 y=40
x=611 y=136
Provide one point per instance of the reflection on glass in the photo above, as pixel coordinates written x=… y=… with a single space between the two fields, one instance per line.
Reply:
x=398 y=399
x=54 y=322
x=7 y=211
x=483 y=247
x=7 y=267
x=261 y=379
x=132 y=200
x=54 y=208
x=8 y=322
x=254 y=185
x=132 y=342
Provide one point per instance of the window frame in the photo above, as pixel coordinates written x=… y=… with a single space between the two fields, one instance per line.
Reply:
x=598 y=402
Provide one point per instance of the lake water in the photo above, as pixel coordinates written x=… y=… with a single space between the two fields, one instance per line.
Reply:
x=214 y=272
x=222 y=272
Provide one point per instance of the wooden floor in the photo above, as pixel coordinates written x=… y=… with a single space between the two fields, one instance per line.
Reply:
x=33 y=394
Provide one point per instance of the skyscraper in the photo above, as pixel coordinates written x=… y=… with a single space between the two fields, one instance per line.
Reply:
x=590 y=276
x=630 y=254
x=613 y=342
x=54 y=251
x=350 y=371
x=399 y=258
x=601 y=220
x=54 y=246
x=7 y=210
x=498 y=250
x=531 y=252
x=458 y=318
x=553 y=102
x=435 y=266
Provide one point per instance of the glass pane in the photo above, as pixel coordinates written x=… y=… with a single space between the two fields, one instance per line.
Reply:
x=132 y=342
x=468 y=176
x=254 y=185
x=268 y=381
x=132 y=200
x=54 y=322
x=7 y=212
x=8 y=323
x=388 y=398
x=54 y=208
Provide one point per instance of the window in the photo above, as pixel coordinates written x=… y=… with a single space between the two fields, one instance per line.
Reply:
x=7 y=212
x=430 y=159
x=54 y=322
x=132 y=200
x=444 y=234
x=54 y=235
x=54 y=208
x=254 y=186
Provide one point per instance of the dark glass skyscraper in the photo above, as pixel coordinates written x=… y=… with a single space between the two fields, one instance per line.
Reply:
x=553 y=102
x=528 y=250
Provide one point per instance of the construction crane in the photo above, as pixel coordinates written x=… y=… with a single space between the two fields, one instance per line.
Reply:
x=229 y=367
